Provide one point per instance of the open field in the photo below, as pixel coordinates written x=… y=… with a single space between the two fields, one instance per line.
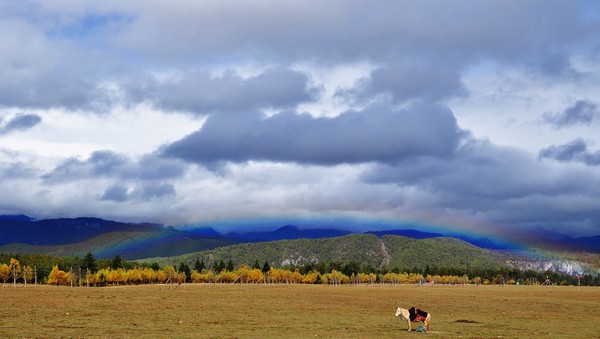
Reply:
x=256 y=311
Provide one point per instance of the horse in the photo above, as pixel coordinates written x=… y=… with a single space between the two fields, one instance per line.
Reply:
x=414 y=315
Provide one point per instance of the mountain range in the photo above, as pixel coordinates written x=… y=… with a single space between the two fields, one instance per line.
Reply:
x=106 y=238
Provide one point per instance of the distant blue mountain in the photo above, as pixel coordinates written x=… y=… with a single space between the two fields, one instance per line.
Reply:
x=479 y=242
x=19 y=217
x=203 y=231
x=557 y=241
x=407 y=233
x=104 y=237
x=487 y=243
x=287 y=232
x=590 y=244
x=25 y=230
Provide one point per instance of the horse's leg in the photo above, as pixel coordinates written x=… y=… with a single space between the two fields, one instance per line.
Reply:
x=409 y=325
x=427 y=322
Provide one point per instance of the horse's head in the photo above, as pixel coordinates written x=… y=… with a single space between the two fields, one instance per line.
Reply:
x=403 y=313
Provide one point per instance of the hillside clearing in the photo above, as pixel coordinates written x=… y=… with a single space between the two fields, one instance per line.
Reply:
x=206 y=311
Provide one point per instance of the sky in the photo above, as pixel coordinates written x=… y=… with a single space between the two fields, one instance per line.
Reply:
x=467 y=115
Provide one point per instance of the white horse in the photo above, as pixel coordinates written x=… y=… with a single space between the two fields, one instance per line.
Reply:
x=414 y=315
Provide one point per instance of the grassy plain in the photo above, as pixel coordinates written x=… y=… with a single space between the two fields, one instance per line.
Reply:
x=277 y=311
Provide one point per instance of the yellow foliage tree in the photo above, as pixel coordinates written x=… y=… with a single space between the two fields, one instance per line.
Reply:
x=15 y=268
x=116 y=277
x=101 y=276
x=148 y=276
x=310 y=277
x=161 y=277
x=27 y=273
x=255 y=275
x=58 y=277
x=199 y=277
x=227 y=277
x=4 y=272
x=169 y=273
x=14 y=262
x=134 y=276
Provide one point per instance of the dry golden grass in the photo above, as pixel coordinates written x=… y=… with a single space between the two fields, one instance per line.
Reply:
x=256 y=311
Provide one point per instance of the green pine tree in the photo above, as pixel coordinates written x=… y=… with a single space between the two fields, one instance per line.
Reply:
x=89 y=262
x=116 y=263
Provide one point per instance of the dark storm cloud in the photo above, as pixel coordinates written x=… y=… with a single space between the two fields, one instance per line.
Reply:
x=458 y=33
x=116 y=193
x=20 y=122
x=497 y=183
x=573 y=151
x=78 y=58
x=39 y=72
x=199 y=92
x=110 y=164
x=583 y=112
x=376 y=134
x=408 y=81
x=480 y=170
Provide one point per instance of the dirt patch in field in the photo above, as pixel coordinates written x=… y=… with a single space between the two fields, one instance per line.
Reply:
x=466 y=321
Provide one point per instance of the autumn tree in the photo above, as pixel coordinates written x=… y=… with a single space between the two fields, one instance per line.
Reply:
x=116 y=277
x=15 y=268
x=27 y=274
x=58 y=277
x=134 y=276
x=255 y=275
x=4 y=272
x=169 y=273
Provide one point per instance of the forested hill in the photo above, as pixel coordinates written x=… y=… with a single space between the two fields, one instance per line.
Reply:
x=389 y=251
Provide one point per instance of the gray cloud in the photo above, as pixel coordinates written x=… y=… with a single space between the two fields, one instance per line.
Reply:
x=14 y=168
x=374 y=134
x=109 y=164
x=46 y=73
x=118 y=193
x=582 y=112
x=20 y=122
x=427 y=82
x=453 y=33
x=78 y=59
x=153 y=191
x=495 y=183
x=199 y=92
x=480 y=170
x=575 y=151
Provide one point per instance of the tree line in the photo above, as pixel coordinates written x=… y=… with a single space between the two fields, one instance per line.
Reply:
x=89 y=271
